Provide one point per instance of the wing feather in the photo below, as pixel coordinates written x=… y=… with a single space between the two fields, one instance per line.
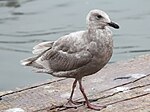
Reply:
x=63 y=61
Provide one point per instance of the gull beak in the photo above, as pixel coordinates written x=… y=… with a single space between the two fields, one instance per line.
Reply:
x=114 y=25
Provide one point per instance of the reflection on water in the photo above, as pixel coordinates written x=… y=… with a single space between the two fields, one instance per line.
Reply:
x=24 y=23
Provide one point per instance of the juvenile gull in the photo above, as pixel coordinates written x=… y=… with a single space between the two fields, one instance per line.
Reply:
x=78 y=54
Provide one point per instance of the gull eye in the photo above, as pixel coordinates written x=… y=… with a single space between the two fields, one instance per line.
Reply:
x=98 y=17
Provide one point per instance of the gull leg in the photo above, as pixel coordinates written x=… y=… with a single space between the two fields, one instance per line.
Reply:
x=89 y=105
x=70 y=102
x=73 y=87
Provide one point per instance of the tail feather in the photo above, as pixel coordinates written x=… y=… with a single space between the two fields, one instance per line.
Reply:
x=43 y=44
x=39 y=51
x=40 y=48
x=28 y=61
x=31 y=62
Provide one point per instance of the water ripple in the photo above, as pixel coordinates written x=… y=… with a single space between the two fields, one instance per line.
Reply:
x=134 y=51
x=125 y=47
x=22 y=42
x=14 y=50
x=36 y=34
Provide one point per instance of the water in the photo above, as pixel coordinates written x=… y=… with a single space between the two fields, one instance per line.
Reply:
x=24 y=23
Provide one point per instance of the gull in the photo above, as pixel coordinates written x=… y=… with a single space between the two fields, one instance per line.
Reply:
x=77 y=54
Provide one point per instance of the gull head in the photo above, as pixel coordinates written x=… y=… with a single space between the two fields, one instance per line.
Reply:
x=98 y=19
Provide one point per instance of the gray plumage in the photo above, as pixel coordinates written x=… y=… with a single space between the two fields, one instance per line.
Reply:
x=78 y=54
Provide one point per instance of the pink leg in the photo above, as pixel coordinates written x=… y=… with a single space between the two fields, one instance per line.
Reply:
x=70 y=102
x=73 y=87
x=89 y=105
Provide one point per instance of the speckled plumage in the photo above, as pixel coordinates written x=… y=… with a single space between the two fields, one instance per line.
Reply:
x=78 y=54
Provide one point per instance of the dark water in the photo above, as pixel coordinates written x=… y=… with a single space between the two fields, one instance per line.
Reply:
x=24 y=23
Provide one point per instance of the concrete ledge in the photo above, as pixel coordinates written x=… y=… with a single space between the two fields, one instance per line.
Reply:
x=124 y=86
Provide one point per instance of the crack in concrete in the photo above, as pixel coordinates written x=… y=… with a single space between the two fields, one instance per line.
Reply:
x=138 y=96
x=28 y=88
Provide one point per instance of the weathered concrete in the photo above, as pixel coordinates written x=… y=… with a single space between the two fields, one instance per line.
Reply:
x=123 y=86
